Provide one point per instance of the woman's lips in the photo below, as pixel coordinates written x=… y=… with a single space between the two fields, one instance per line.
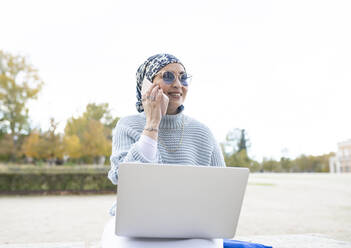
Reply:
x=175 y=95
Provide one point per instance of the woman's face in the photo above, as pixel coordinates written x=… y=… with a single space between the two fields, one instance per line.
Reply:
x=176 y=92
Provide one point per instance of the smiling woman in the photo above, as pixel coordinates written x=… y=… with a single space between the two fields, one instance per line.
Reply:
x=174 y=82
x=153 y=137
x=165 y=138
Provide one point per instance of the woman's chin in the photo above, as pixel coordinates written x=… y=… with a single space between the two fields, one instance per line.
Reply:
x=174 y=105
x=175 y=101
x=172 y=108
x=174 y=98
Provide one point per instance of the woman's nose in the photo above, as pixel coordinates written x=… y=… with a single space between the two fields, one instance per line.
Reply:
x=177 y=83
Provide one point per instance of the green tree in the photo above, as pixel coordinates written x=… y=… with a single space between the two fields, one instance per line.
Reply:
x=100 y=112
x=235 y=150
x=303 y=163
x=239 y=159
x=230 y=145
x=47 y=146
x=92 y=133
x=19 y=83
x=30 y=146
x=286 y=164
x=7 y=147
x=51 y=144
x=242 y=142
x=271 y=165
x=311 y=163
x=72 y=146
x=95 y=142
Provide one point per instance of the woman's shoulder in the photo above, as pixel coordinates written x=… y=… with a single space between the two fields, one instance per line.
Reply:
x=194 y=122
x=131 y=121
x=197 y=125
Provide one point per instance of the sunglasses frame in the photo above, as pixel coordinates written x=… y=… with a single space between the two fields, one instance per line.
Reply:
x=175 y=76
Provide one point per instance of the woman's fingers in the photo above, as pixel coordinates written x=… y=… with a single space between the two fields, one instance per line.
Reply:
x=154 y=93
x=152 y=104
x=159 y=95
x=148 y=92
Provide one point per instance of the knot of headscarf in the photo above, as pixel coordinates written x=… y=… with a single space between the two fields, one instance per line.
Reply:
x=149 y=69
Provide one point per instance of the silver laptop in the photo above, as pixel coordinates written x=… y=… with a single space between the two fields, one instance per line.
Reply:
x=179 y=201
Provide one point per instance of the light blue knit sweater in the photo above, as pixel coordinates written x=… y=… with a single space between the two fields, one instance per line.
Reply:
x=182 y=140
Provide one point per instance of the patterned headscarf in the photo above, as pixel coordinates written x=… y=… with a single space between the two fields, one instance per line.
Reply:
x=149 y=69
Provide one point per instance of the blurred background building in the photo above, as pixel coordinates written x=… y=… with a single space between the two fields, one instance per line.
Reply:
x=342 y=161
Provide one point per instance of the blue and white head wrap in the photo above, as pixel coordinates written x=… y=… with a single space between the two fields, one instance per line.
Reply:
x=149 y=69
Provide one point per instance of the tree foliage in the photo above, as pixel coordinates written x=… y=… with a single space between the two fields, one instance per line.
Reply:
x=86 y=139
x=235 y=150
x=72 y=146
x=46 y=145
x=90 y=136
x=31 y=145
x=19 y=83
x=235 y=154
x=302 y=163
x=7 y=147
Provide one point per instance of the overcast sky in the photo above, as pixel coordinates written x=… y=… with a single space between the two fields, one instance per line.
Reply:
x=279 y=69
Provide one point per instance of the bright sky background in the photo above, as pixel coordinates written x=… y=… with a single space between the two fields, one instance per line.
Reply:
x=280 y=69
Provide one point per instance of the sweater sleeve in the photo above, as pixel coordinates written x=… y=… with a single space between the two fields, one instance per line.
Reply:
x=147 y=147
x=125 y=149
x=217 y=158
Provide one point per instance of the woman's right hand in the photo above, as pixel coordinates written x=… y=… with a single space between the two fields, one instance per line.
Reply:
x=152 y=106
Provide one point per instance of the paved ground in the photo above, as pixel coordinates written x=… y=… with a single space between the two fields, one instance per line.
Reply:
x=274 y=204
x=276 y=241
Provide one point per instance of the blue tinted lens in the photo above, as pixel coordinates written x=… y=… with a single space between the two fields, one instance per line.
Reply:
x=168 y=77
x=184 y=79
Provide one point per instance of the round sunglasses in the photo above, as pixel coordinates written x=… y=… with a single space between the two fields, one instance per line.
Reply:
x=169 y=77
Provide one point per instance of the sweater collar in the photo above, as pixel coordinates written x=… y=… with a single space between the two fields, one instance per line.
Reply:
x=172 y=121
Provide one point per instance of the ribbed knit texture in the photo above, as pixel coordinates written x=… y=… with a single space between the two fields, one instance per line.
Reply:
x=198 y=146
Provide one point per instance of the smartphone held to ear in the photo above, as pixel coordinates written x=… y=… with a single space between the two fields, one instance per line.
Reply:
x=164 y=102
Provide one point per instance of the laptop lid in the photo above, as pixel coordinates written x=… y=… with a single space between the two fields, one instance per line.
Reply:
x=179 y=201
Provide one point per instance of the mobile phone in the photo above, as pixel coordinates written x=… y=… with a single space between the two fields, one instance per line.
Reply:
x=164 y=102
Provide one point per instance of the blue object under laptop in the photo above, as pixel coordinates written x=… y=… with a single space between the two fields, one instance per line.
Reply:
x=229 y=243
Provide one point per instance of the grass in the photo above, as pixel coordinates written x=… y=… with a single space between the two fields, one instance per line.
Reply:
x=262 y=184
